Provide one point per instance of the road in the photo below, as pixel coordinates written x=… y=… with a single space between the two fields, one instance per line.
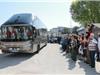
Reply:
x=50 y=60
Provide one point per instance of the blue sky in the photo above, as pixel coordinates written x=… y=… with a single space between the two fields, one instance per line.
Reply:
x=53 y=13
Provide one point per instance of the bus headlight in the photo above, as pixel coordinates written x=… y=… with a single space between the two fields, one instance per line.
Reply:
x=18 y=49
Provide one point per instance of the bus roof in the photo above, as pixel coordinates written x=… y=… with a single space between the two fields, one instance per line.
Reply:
x=38 y=23
x=25 y=18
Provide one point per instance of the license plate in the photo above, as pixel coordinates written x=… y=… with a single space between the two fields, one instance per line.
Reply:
x=13 y=49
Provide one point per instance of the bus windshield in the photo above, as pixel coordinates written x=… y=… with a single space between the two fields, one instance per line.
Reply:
x=16 y=33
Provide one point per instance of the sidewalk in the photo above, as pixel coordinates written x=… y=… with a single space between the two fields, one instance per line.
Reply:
x=98 y=67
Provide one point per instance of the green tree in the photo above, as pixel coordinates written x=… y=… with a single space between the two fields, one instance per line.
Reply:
x=86 y=12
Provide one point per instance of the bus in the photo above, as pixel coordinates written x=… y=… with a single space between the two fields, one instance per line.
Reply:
x=23 y=33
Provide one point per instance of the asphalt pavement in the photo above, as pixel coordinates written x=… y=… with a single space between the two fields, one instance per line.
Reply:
x=49 y=60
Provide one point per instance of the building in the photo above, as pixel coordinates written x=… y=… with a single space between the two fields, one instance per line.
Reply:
x=57 y=31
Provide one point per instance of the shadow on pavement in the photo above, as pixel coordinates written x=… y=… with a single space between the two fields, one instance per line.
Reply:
x=7 y=60
x=71 y=63
x=88 y=70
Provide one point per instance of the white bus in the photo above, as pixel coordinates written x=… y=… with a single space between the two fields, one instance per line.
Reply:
x=23 y=34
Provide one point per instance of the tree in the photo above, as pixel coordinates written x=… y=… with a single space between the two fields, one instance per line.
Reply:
x=86 y=12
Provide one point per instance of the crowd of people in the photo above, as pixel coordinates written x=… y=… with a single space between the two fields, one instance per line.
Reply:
x=86 y=46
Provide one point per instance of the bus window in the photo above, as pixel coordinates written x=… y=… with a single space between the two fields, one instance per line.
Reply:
x=16 y=33
x=29 y=33
x=8 y=33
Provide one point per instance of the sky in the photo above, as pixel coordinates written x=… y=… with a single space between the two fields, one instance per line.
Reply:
x=53 y=13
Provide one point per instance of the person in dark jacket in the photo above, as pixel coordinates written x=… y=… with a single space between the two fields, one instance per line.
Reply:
x=58 y=39
x=73 y=48
x=64 y=44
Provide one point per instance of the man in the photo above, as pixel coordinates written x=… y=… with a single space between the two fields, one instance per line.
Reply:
x=65 y=43
x=73 y=48
x=92 y=46
x=8 y=33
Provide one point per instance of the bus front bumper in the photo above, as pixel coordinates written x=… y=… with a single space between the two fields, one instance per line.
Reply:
x=16 y=49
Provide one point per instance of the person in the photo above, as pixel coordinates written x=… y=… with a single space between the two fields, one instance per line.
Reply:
x=65 y=43
x=25 y=34
x=29 y=33
x=61 y=42
x=4 y=36
x=22 y=33
x=88 y=32
x=98 y=52
x=80 y=49
x=18 y=34
x=14 y=34
x=85 y=49
x=58 y=39
x=92 y=46
x=73 y=48
x=8 y=33
x=69 y=40
x=78 y=43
